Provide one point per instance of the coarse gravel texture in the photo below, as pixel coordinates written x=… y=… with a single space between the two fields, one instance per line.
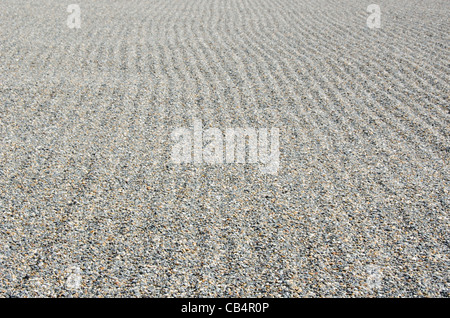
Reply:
x=91 y=204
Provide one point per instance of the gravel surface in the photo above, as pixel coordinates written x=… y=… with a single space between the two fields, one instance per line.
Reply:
x=91 y=204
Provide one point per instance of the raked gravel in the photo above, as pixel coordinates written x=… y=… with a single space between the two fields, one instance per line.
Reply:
x=91 y=204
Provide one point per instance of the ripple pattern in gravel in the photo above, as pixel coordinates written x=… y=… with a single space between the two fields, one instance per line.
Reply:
x=91 y=204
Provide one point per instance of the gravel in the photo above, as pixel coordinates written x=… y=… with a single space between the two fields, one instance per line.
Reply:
x=91 y=204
